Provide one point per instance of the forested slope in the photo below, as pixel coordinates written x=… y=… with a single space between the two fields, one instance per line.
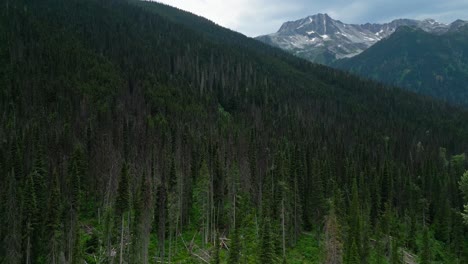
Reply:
x=130 y=136
x=425 y=63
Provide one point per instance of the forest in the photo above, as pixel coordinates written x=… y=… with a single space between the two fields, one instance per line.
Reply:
x=133 y=132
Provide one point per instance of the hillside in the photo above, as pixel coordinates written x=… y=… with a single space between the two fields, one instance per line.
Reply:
x=133 y=132
x=434 y=65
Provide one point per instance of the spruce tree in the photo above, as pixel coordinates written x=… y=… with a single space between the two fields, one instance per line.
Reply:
x=354 y=236
x=234 y=251
x=39 y=177
x=30 y=220
x=395 y=257
x=463 y=185
x=215 y=253
x=353 y=257
x=122 y=206
x=76 y=172
x=53 y=228
x=266 y=253
x=160 y=219
x=333 y=240
x=122 y=203
x=12 y=239
x=426 y=250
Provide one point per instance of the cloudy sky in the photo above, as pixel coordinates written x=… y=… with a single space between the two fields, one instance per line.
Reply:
x=258 y=17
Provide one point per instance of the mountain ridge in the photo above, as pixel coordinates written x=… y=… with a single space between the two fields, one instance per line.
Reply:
x=418 y=61
x=320 y=38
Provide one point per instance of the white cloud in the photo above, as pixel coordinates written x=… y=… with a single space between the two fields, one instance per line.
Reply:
x=238 y=15
x=258 y=17
x=250 y=17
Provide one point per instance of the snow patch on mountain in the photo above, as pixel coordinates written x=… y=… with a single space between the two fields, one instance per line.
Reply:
x=319 y=36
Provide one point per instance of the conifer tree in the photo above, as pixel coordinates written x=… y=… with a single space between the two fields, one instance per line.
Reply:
x=39 y=174
x=76 y=172
x=161 y=216
x=53 y=228
x=395 y=257
x=333 y=240
x=253 y=166
x=122 y=203
x=215 y=254
x=426 y=250
x=39 y=177
x=234 y=251
x=234 y=186
x=202 y=201
x=30 y=220
x=122 y=206
x=354 y=236
x=12 y=239
x=463 y=185
x=266 y=253
x=353 y=257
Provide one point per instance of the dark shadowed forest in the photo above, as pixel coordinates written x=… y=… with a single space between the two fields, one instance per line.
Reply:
x=132 y=132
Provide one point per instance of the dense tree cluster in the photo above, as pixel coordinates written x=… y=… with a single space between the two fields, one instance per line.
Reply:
x=133 y=133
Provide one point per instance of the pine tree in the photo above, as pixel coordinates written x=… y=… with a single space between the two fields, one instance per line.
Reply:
x=108 y=225
x=202 y=201
x=161 y=216
x=172 y=175
x=53 y=221
x=141 y=222
x=122 y=205
x=234 y=251
x=395 y=257
x=266 y=253
x=136 y=229
x=77 y=255
x=353 y=257
x=354 y=236
x=426 y=250
x=316 y=192
x=463 y=185
x=253 y=167
x=39 y=178
x=234 y=186
x=30 y=220
x=215 y=254
x=333 y=241
x=39 y=174
x=76 y=172
x=147 y=196
x=12 y=239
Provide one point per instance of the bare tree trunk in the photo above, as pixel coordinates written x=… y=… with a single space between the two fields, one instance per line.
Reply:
x=235 y=209
x=121 y=239
x=70 y=239
x=28 y=249
x=170 y=245
x=283 y=226
x=296 y=226
x=333 y=245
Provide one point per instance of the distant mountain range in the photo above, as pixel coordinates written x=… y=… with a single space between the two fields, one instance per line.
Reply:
x=430 y=64
x=319 y=38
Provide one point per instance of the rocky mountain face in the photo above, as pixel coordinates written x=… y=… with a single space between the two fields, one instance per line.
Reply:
x=319 y=38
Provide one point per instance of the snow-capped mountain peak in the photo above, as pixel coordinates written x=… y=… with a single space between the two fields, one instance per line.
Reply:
x=322 y=39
